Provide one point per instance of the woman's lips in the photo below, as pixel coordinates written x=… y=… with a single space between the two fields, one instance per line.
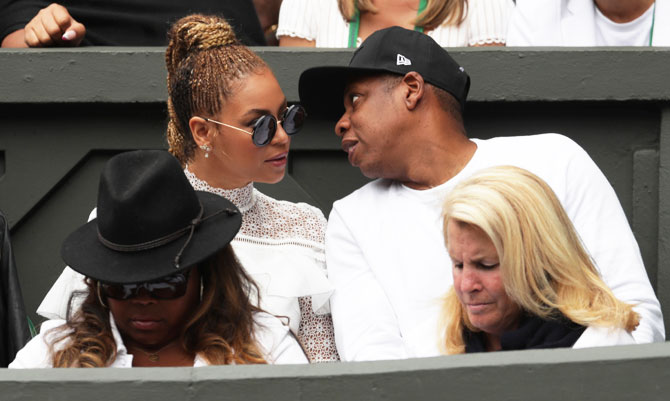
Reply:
x=478 y=307
x=145 y=323
x=279 y=160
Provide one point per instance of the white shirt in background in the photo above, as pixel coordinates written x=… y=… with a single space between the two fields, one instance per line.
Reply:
x=580 y=23
x=633 y=33
x=321 y=21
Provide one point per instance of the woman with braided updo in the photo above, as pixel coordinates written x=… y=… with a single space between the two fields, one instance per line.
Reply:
x=230 y=126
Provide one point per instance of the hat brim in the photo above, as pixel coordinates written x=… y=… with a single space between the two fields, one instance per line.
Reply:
x=84 y=253
x=321 y=89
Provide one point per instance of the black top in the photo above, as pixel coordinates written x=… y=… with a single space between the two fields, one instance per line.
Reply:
x=14 y=331
x=135 y=22
x=532 y=333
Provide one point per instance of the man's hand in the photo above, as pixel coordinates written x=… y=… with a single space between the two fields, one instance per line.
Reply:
x=53 y=26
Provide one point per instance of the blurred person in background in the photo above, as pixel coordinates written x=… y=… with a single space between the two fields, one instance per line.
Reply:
x=590 y=23
x=346 y=23
x=37 y=23
x=268 y=15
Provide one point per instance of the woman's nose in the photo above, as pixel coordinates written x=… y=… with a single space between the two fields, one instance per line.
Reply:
x=281 y=137
x=470 y=281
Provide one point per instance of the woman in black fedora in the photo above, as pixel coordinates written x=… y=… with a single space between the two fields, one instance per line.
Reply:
x=230 y=126
x=164 y=287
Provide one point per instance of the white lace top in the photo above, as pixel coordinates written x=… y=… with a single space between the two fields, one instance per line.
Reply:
x=281 y=246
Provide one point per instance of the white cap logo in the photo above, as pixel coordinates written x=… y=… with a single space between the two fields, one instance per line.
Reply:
x=402 y=60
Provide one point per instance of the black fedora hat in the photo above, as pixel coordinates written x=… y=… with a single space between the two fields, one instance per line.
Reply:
x=150 y=222
x=393 y=50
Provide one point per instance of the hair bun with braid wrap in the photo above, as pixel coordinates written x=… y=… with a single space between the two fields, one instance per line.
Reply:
x=197 y=32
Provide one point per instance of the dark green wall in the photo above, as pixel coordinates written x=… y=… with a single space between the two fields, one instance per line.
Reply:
x=64 y=112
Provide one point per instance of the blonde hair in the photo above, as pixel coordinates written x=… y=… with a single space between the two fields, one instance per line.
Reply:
x=545 y=269
x=204 y=59
x=437 y=12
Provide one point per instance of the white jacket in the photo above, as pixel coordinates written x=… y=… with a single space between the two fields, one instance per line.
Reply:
x=603 y=337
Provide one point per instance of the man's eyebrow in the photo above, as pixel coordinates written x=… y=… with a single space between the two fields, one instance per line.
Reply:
x=349 y=87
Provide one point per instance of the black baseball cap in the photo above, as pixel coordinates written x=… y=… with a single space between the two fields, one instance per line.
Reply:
x=392 y=50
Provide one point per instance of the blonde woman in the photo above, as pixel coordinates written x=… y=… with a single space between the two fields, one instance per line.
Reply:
x=522 y=278
x=346 y=23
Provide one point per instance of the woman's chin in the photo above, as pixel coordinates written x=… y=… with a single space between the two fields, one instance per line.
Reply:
x=273 y=179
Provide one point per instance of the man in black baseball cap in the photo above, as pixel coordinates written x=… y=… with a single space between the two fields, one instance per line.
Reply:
x=402 y=122
x=394 y=51
x=391 y=59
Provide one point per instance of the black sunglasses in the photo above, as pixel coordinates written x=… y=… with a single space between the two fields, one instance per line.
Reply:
x=265 y=127
x=170 y=287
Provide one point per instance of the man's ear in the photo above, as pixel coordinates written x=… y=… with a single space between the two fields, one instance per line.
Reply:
x=414 y=89
x=202 y=131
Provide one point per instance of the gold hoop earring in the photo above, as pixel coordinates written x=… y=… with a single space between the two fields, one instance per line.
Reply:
x=102 y=303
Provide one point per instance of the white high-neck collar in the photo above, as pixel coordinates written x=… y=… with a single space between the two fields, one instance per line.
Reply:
x=243 y=197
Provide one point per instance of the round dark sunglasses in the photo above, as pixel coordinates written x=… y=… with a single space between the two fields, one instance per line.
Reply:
x=170 y=287
x=265 y=127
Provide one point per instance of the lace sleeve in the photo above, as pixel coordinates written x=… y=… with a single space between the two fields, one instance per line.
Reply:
x=316 y=334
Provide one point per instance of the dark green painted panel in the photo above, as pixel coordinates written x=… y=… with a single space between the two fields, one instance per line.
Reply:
x=128 y=75
x=645 y=208
x=44 y=185
x=663 y=279
x=66 y=110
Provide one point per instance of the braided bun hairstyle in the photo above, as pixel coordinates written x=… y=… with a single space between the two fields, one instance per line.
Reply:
x=204 y=59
